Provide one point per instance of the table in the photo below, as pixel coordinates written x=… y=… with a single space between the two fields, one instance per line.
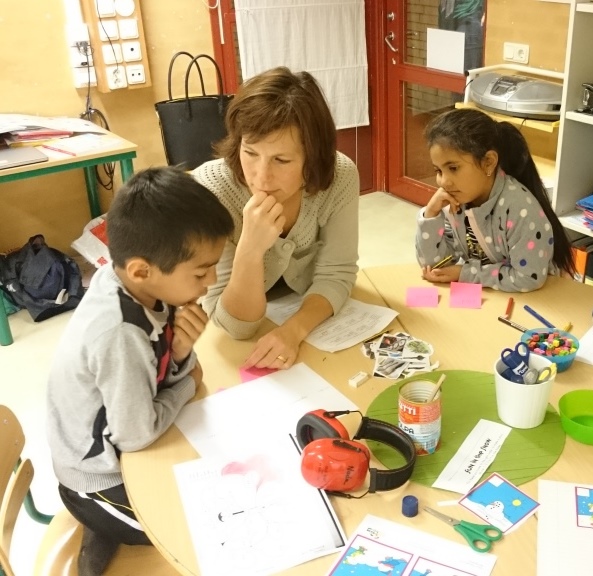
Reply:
x=149 y=472
x=119 y=150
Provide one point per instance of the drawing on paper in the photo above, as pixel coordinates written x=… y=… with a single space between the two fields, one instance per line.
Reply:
x=366 y=557
x=424 y=567
x=499 y=502
x=255 y=514
x=584 y=506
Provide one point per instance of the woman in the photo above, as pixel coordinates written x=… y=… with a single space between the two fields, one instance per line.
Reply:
x=294 y=202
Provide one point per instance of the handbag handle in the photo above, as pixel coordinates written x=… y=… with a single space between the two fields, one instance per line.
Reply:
x=218 y=74
x=218 y=78
x=175 y=56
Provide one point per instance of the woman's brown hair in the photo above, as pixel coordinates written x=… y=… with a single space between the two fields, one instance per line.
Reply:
x=275 y=100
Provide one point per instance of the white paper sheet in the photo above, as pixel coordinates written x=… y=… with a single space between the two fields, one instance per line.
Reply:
x=254 y=514
x=585 y=351
x=473 y=457
x=380 y=546
x=234 y=420
x=445 y=50
x=564 y=528
x=355 y=322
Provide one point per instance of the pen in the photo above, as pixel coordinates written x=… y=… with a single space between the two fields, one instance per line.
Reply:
x=510 y=303
x=59 y=150
x=442 y=263
x=513 y=324
x=540 y=318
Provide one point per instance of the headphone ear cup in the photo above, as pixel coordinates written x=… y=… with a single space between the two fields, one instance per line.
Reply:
x=335 y=464
x=314 y=425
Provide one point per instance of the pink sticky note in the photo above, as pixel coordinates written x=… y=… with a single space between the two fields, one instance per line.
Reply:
x=422 y=297
x=252 y=373
x=465 y=295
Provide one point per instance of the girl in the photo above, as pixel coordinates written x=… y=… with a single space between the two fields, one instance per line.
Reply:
x=490 y=216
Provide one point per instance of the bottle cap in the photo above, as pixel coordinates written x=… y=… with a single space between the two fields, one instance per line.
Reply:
x=410 y=506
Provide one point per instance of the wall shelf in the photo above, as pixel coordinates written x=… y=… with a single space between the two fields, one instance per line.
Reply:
x=579 y=117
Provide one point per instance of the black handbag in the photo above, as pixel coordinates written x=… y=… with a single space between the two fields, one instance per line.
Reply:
x=192 y=124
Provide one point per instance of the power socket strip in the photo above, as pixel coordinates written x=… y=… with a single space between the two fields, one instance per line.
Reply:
x=116 y=77
x=135 y=74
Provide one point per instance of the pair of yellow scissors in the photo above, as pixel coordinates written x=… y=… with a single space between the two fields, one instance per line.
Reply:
x=478 y=536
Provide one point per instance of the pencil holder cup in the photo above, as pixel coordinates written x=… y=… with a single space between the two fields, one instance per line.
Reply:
x=558 y=346
x=522 y=405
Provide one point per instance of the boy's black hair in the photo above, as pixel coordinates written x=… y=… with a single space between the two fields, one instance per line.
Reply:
x=159 y=213
x=473 y=132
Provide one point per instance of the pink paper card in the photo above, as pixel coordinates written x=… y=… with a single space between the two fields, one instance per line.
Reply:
x=422 y=297
x=252 y=373
x=465 y=295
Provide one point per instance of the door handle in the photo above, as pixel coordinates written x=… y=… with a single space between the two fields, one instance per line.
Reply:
x=388 y=39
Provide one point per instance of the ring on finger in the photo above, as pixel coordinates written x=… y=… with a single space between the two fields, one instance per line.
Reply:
x=282 y=359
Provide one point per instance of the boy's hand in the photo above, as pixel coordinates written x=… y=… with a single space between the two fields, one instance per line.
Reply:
x=446 y=274
x=439 y=200
x=277 y=349
x=190 y=322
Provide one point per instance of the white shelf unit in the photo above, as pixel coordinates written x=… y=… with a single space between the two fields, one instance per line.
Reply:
x=574 y=157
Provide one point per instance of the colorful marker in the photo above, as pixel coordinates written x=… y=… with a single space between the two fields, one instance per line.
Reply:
x=442 y=263
x=513 y=324
x=539 y=317
x=510 y=303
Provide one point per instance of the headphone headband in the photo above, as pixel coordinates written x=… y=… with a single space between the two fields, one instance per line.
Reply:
x=390 y=435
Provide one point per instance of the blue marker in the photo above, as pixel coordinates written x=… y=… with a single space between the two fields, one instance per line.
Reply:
x=540 y=318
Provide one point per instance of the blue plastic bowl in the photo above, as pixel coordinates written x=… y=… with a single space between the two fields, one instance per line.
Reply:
x=562 y=362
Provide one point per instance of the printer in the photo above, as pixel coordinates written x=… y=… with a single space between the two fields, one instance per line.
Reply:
x=516 y=95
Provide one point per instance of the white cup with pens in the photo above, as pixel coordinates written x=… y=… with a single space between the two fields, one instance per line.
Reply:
x=522 y=405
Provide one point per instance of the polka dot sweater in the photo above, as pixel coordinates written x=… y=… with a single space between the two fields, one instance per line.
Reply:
x=512 y=229
x=318 y=256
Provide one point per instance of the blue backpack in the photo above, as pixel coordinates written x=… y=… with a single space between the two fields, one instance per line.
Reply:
x=41 y=279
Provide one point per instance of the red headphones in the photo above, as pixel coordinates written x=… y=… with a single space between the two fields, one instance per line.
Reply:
x=332 y=461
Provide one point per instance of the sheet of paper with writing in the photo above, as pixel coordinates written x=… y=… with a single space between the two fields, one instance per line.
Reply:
x=355 y=322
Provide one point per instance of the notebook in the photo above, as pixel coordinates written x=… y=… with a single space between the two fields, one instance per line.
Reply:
x=13 y=157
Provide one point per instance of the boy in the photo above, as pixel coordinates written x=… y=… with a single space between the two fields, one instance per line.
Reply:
x=125 y=365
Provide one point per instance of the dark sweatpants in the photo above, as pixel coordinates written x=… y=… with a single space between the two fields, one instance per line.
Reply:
x=107 y=513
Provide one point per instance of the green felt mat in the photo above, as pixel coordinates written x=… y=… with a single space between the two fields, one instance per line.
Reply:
x=467 y=397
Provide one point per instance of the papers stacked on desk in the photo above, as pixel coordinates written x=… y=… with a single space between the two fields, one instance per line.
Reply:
x=248 y=509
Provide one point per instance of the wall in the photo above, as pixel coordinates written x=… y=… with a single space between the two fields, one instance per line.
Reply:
x=542 y=25
x=35 y=78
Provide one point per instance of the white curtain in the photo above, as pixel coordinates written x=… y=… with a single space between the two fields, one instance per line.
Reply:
x=324 y=37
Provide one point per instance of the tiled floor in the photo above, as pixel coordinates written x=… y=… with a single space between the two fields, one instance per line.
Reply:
x=387 y=227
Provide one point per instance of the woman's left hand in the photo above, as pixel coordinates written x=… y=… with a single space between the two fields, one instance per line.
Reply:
x=444 y=275
x=277 y=349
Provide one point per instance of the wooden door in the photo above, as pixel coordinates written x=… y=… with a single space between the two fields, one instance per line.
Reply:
x=414 y=93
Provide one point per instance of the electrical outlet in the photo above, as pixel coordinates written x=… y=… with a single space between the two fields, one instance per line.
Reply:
x=131 y=51
x=116 y=77
x=84 y=77
x=516 y=52
x=112 y=53
x=135 y=74
x=80 y=55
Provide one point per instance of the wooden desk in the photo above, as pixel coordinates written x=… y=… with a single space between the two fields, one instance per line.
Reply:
x=149 y=475
x=120 y=151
